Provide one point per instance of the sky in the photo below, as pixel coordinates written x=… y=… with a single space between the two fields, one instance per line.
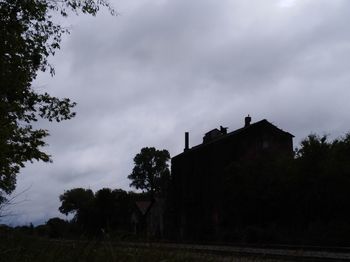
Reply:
x=164 y=67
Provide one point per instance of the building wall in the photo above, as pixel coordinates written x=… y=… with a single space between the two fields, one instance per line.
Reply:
x=198 y=175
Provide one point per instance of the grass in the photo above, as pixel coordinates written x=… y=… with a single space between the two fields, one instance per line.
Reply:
x=28 y=249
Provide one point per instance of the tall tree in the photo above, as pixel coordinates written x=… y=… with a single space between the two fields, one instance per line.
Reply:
x=29 y=34
x=151 y=171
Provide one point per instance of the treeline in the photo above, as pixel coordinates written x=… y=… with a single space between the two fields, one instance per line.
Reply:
x=105 y=213
x=304 y=200
x=96 y=213
x=109 y=211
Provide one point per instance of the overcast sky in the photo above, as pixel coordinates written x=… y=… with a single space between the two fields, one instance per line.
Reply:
x=163 y=67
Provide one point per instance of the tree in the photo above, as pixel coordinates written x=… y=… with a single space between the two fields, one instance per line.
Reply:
x=29 y=34
x=78 y=201
x=106 y=209
x=151 y=171
x=323 y=173
x=112 y=209
x=57 y=227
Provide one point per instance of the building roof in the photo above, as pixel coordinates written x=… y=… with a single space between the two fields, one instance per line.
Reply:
x=218 y=137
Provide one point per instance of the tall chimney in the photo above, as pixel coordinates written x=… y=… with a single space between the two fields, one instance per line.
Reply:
x=186 y=141
x=247 y=121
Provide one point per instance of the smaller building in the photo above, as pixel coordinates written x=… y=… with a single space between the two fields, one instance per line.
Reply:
x=198 y=172
x=148 y=217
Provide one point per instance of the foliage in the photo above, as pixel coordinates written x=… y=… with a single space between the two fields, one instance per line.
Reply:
x=304 y=200
x=77 y=201
x=112 y=208
x=106 y=209
x=29 y=34
x=57 y=227
x=151 y=171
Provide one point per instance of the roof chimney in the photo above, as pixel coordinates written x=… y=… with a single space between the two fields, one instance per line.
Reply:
x=186 y=141
x=223 y=130
x=247 y=121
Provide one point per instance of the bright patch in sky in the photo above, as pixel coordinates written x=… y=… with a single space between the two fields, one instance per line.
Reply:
x=287 y=3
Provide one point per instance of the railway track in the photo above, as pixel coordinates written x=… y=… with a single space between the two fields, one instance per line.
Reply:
x=280 y=252
x=288 y=253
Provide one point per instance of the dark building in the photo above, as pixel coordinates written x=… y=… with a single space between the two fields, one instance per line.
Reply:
x=147 y=217
x=198 y=173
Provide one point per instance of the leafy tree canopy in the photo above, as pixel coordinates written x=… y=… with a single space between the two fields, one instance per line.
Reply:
x=76 y=200
x=29 y=34
x=105 y=209
x=151 y=171
x=308 y=196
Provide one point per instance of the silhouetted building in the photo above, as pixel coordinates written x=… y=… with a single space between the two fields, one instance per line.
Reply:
x=147 y=217
x=198 y=173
